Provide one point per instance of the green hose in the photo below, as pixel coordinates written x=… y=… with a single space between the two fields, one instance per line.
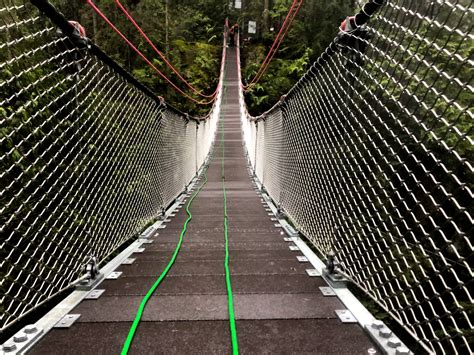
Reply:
x=141 y=308
x=233 y=331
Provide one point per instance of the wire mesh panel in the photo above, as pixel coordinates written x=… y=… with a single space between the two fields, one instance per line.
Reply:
x=272 y=155
x=376 y=162
x=89 y=157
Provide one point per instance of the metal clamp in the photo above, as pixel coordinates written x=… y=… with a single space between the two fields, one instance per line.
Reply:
x=330 y=273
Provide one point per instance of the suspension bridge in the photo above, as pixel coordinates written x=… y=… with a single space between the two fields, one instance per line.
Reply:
x=129 y=226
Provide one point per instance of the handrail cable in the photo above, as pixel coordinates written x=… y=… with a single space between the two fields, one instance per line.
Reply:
x=131 y=45
x=143 y=34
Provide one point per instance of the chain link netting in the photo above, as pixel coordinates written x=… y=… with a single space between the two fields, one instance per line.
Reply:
x=370 y=155
x=88 y=158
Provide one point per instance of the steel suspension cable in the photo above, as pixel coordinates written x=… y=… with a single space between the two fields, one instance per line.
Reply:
x=131 y=45
x=160 y=54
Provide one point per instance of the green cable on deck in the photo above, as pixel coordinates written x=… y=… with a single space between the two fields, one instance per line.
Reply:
x=233 y=331
x=141 y=308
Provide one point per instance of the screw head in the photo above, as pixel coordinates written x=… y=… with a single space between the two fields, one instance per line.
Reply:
x=402 y=350
x=30 y=329
x=393 y=342
x=20 y=337
x=385 y=332
x=371 y=351
x=9 y=346
x=377 y=324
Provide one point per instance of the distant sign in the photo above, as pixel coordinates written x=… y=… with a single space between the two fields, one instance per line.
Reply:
x=252 y=27
x=238 y=4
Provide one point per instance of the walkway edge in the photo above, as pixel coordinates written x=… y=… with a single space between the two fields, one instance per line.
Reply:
x=48 y=321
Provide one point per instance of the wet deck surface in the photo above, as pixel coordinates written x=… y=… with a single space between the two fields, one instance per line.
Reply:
x=278 y=307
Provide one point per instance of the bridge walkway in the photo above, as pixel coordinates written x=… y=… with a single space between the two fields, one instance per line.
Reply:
x=278 y=307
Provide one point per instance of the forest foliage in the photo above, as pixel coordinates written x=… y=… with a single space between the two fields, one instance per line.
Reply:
x=189 y=33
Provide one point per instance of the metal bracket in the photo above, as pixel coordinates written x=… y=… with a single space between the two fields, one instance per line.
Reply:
x=335 y=280
x=128 y=261
x=114 y=275
x=294 y=248
x=345 y=316
x=327 y=291
x=94 y=294
x=94 y=276
x=281 y=213
x=162 y=214
x=389 y=343
x=302 y=259
x=87 y=285
x=289 y=230
x=313 y=272
x=67 y=321
x=22 y=339
x=147 y=233
x=330 y=273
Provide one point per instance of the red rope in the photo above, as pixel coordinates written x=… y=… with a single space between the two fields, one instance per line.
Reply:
x=131 y=45
x=131 y=19
x=276 y=43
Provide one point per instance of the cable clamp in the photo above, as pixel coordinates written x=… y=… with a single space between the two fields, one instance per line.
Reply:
x=162 y=101
x=91 y=268
x=331 y=272
x=282 y=100
x=92 y=275
x=349 y=25
x=162 y=214
x=281 y=214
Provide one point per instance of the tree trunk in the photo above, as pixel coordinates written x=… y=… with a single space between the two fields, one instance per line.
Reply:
x=266 y=14
x=167 y=44
x=94 y=28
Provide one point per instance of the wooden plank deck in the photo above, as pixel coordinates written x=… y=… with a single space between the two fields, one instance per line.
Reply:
x=278 y=307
